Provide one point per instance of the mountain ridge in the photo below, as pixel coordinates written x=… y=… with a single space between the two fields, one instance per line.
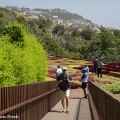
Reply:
x=61 y=13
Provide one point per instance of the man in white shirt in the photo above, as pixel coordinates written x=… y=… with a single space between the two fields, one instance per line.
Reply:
x=59 y=70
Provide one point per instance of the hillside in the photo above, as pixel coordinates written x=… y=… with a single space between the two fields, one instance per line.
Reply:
x=72 y=37
x=65 y=15
x=62 y=14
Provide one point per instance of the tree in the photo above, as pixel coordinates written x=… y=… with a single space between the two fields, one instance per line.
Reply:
x=51 y=45
x=116 y=32
x=44 y=23
x=105 y=45
x=75 y=33
x=48 y=22
x=6 y=16
x=87 y=33
x=58 y=30
x=21 y=18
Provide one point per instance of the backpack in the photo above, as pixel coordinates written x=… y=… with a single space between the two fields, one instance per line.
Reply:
x=64 y=85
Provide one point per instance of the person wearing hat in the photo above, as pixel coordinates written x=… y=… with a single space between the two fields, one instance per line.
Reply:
x=64 y=81
x=84 y=79
x=86 y=66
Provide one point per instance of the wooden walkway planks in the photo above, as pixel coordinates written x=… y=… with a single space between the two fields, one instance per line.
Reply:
x=79 y=108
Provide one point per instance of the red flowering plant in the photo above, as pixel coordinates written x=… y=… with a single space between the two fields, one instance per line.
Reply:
x=110 y=70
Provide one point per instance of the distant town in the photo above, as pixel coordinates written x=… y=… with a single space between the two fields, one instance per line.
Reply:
x=58 y=17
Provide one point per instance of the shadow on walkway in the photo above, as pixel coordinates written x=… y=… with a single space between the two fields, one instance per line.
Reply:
x=78 y=106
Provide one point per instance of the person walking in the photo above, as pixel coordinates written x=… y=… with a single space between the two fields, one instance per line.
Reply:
x=99 y=69
x=59 y=71
x=64 y=81
x=95 y=65
x=84 y=80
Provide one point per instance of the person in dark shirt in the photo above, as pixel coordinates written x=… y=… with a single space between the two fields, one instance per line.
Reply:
x=95 y=65
x=99 y=69
x=64 y=81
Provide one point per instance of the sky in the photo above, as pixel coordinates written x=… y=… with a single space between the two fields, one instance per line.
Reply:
x=101 y=12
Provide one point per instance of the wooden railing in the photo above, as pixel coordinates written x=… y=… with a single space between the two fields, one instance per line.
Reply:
x=106 y=103
x=28 y=102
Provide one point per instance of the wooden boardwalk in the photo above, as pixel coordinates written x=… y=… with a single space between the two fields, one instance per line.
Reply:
x=78 y=106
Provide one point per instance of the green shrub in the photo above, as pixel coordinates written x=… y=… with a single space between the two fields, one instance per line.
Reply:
x=16 y=33
x=21 y=65
x=114 y=87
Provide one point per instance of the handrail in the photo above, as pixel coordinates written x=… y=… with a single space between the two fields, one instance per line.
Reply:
x=25 y=102
x=105 y=102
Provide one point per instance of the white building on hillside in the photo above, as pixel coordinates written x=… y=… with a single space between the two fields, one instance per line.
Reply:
x=55 y=17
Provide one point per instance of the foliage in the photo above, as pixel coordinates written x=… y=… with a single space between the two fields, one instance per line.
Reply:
x=82 y=50
x=16 y=33
x=21 y=18
x=87 y=33
x=21 y=65
x=75 y=33
x=32 y=22
x=58 y=30
x=105 y=45
x=6 y=16
x=116 y=32
x=51 y=45
x=85 y=44
x=44 y=23
x=114 y=87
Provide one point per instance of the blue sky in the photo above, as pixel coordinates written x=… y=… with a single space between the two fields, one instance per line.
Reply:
x=101 y=12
